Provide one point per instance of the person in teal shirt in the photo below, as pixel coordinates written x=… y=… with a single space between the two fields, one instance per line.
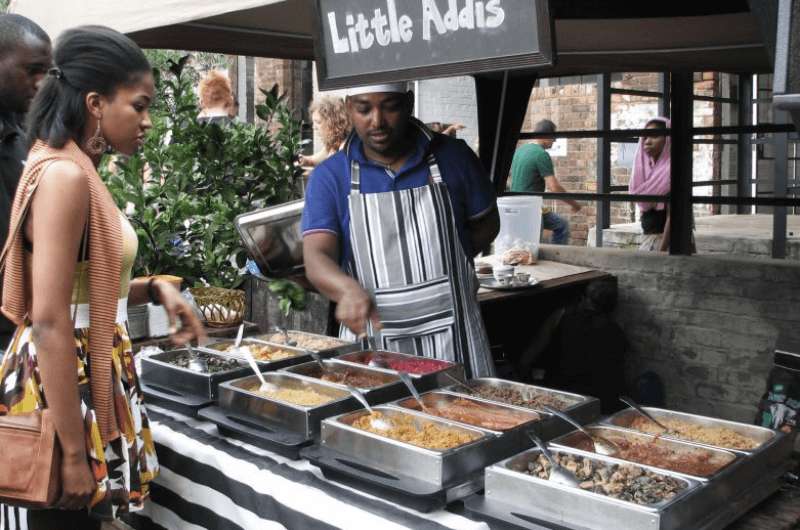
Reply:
x=532 y=171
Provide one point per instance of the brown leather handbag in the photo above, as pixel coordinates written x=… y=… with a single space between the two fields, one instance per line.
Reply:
x=30 y=461
x=30 y=455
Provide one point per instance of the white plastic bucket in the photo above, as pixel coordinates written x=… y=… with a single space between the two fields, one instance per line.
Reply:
x=520 y=223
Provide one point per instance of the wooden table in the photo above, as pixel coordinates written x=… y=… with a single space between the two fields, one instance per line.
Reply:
x=551 y=275
x=513 y=317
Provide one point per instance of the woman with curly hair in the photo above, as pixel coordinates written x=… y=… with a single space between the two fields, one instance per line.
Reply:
x=216 y=98
x=330 y=118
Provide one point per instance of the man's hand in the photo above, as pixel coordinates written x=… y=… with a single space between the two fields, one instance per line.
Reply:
x=575 y=207
x=354 y=308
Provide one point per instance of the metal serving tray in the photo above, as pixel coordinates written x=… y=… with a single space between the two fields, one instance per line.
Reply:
x=159 y=373
x=390 y=388
x=505 y=442
x=423 y=382
x=342 y=347
x=583 y=409
x=219 y=347
x=395 y=457
x=719 y=457
x=437 y=399
x=730 y=492
x=765 y=436
x=573 y=507
x=235 y=397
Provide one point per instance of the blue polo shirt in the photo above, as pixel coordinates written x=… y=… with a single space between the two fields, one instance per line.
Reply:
x=468 y=184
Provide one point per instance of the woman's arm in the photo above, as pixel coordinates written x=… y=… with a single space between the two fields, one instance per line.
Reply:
x=56 y=222
x=175 y=305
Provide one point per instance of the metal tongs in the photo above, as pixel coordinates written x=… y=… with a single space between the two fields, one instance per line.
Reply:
x=286 y=339
x=631 y=403
x=602 y=446
x=368 y=344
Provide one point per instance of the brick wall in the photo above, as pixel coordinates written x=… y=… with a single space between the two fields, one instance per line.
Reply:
x=292 y=77
x=706 y=325
x=573 y=106
x=450 y=100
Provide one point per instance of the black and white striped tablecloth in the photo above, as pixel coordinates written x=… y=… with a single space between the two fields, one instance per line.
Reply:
x=210 y=481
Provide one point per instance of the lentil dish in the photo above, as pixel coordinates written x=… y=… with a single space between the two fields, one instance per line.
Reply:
x=421 y=433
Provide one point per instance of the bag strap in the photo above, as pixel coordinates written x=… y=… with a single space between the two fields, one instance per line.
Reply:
x=26 y=204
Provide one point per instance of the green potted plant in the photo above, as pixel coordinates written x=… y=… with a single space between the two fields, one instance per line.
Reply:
x=192 y=179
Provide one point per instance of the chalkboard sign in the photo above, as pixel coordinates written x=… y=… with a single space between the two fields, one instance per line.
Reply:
x=360 y=42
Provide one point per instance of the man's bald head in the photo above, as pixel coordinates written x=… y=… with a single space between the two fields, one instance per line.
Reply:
x=25 y=56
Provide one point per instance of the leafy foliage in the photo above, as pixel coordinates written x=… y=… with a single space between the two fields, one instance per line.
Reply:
x=200 y=176
x=290 y=295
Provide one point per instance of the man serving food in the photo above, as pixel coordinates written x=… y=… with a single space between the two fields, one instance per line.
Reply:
x=390 y=227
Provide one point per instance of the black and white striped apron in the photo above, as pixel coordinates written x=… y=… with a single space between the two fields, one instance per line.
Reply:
x=408 y=256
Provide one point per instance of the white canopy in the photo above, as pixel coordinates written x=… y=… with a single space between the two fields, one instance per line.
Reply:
x=725 y=41
x=262 y=28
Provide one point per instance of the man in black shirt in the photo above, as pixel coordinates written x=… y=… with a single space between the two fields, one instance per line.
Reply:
x=25 y=57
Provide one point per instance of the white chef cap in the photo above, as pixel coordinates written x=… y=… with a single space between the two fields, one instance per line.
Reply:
x=400 y=88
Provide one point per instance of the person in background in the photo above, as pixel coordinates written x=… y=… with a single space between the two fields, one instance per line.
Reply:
x=216 y=98
x=329 y=115
x=67 y=283
x=369 y=242
x=447 y=129
x=25 y=56
x=532 y=171
x=651 y=176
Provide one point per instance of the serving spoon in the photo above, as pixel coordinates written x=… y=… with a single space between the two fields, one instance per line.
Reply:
x=196 y=363
x=558 y=474
x=602 y=446
x=318 y=359
x=411 y=388
x=264 y=387
x=378 y=423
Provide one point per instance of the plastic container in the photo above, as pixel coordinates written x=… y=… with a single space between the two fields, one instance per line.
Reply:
x=520 y=224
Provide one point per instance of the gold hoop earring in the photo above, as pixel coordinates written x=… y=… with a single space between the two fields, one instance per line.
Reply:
x=96 y=145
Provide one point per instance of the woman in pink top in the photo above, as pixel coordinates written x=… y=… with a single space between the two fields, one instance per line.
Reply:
x=651 y=176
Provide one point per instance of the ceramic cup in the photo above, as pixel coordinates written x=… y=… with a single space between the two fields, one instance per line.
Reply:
x=503 y=274
x=522 y=278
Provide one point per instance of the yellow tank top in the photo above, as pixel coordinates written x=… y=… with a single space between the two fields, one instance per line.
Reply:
x=130 y=245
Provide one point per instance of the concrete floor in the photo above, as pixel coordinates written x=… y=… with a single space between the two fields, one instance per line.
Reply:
x=740 y=235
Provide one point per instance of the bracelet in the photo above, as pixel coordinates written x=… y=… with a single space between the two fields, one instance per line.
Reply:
x=151 y=292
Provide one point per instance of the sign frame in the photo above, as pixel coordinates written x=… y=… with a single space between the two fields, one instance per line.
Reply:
x=534 y=60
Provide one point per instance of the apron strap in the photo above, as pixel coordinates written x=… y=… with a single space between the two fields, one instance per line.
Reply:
x=355 y=177
x=433 y=166
x=355 y=173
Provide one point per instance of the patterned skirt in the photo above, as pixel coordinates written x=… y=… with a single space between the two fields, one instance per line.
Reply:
x=125 y=466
